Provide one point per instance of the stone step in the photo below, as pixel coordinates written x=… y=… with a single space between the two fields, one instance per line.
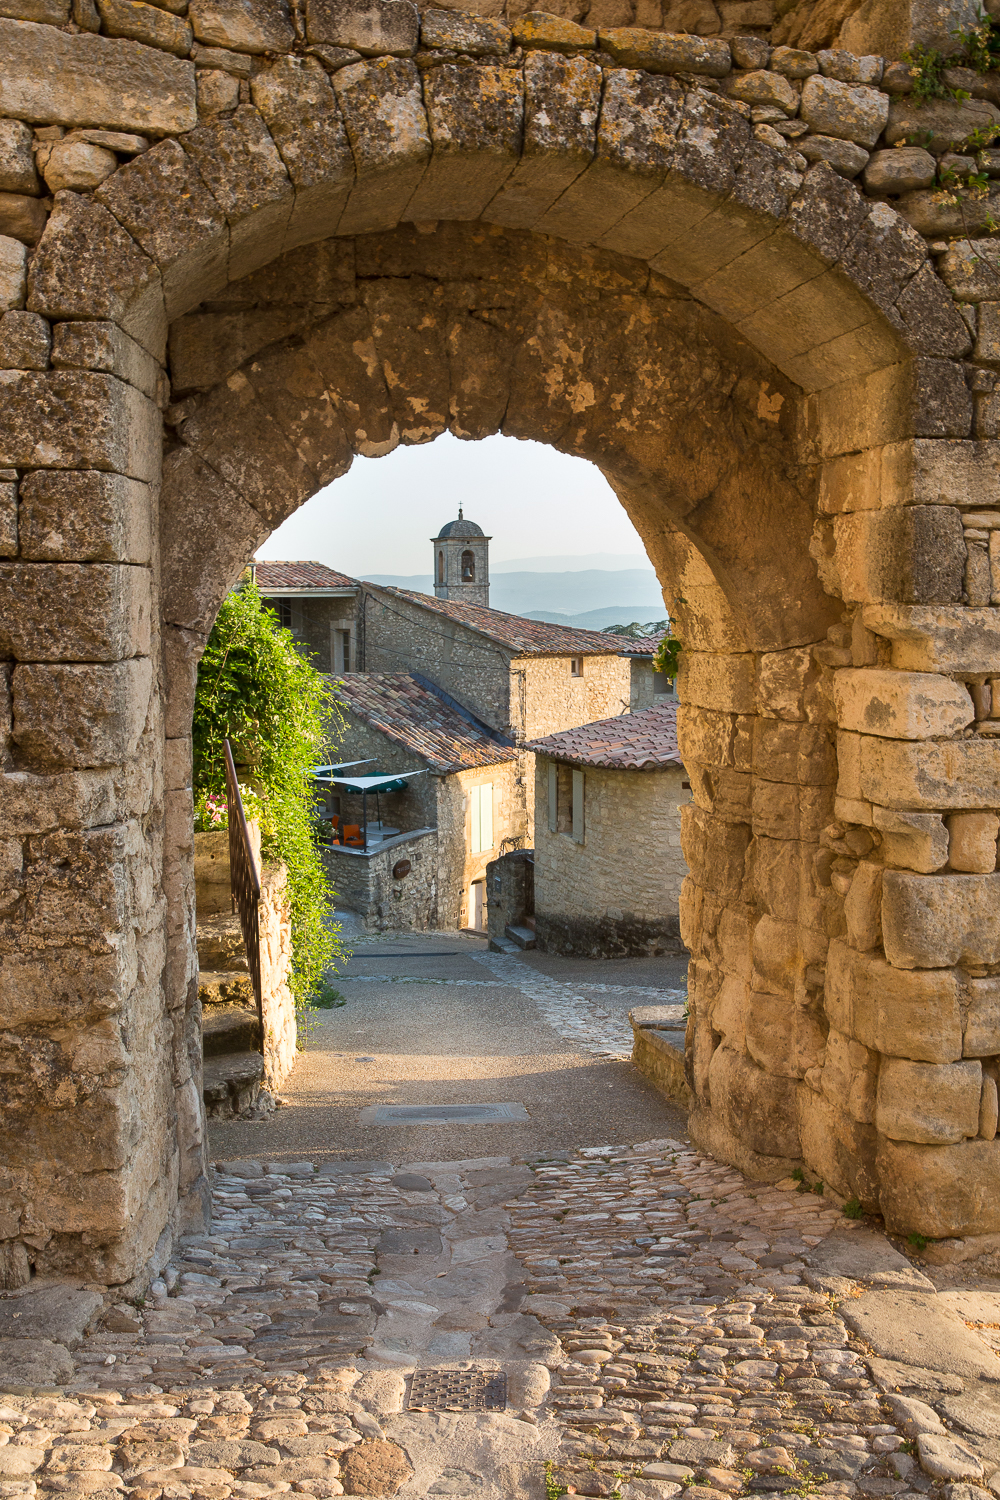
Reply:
x=503 y=945
x=226 y=987
x=229 y=1028
x=220 y=944
x=522 y=936
x=232 y=1083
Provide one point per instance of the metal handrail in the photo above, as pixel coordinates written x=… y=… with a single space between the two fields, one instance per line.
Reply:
x=244 y=882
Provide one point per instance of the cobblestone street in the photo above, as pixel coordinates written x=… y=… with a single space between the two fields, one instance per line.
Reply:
x=664 y=1326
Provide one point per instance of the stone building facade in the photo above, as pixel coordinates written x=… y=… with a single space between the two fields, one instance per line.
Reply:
x=473 y=798
x=704 y=262
x=608 y=861
x=318 y=605
x=523 y=678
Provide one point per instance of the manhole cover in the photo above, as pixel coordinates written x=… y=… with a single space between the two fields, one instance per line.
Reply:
x=442 y=1114
x=458 y=1390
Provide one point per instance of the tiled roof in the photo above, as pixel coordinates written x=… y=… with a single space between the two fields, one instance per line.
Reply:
x=524 y=637
x=631 y=742
x=408 y=714
x=646 y=646
x=299 y=575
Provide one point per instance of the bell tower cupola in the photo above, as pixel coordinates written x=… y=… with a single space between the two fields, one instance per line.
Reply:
x=462 y=562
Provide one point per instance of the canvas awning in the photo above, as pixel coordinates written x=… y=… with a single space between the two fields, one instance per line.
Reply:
x=396 y=782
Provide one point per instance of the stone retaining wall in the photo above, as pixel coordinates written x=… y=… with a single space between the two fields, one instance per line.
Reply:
x=615 y=242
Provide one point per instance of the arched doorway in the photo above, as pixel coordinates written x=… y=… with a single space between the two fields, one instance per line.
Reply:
x=763 y=365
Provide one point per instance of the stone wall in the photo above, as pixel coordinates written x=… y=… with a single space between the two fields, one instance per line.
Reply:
x=459 y=865
x=618 y=891
x=629 y=245
x=365 y=883
x=510 y=890
x=313 y=623
x=554 y=699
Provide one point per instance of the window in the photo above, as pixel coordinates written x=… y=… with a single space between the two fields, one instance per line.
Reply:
x=578 y=807
x=468 y=567
x=576 y=666
x=342 y=651
x=440 y=567
x=482 y=817
x=283 y=609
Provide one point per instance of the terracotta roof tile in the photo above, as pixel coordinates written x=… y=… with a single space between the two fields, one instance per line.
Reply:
x=524 y=637
x=299 y=575
x=409 y=715
x=631 y=742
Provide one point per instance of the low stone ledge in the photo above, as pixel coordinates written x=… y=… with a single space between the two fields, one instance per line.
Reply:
x=656 y=1056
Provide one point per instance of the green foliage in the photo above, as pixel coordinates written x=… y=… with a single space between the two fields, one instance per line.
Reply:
x=798 y=1175
x=325 y=997
x=929 y=65
x=666 y=658
x=256 y=689
x=979 y=44
x=918 y=1241
x=853 y=1209
x=553 y=1489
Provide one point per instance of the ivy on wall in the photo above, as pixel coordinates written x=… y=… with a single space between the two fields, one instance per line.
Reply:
x=257 y=689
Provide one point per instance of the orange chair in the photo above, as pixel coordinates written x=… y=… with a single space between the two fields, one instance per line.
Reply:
x=351 y=834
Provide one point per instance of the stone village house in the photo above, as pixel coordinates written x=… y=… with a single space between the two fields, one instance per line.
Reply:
x=470 y=802
x=779 y=348
x=595 y=894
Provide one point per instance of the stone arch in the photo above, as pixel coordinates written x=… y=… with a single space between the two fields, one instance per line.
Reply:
x=629 y=189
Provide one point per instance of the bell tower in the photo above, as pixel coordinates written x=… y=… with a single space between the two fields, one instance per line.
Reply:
x=462 y=562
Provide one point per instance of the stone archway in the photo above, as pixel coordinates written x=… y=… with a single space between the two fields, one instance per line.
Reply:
x=769 y=372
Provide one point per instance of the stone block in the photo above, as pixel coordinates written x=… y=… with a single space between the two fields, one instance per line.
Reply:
x=25 y=340
x=478 y=37
x=70 y=419
x=982 y=1022
x=56 y=78
x=73 y=611
x=838 y=1147
x=903 y=1012
x=218 y=93
x=387 y=28
x=844 y=157
x=973 y=842
x=220 y=59
x=930 y=639
x=940 y=1192
x=149 y=24
x=552 y=33
x=901 y=705
x=13 y=273
x=933 y=921
x=302 y=115
x=911 y=555
x=8 y=533
x=862 y=907
x=904 y=170
x=782 y=680
x=81 y=716
x=933 y=775
x=383 y=108
x=788 y=752
x=715 y=851
x=476 y=118
x=562 y=105
x=85 y=516
x=22 y=218
x=656 y=52
x=253 y=26
x=202 y=559
x=88 y=267
x=763 y=88
x=240 y=164
x=916 y=841
x=755 y=1106
x=718 y=681
x=163 y=202
x=848 y=113
x=929 y=1103
x=77 y=165
x=938 y=123
x=17 y=161
x=103 y=346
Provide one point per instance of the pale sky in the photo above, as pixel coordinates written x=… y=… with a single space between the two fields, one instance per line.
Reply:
x=533 y=501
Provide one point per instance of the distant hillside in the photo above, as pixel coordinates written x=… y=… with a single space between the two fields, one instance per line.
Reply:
x=548 y=596
x=600 y=619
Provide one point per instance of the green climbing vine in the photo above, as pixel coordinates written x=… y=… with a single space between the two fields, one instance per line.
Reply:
x=259 y=691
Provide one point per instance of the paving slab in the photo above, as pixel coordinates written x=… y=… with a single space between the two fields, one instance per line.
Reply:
x=33 y=1363
x=57 y=1311
x=918 y=1328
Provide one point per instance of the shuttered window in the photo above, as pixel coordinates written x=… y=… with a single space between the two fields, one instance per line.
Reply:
x=553 y=797
x=578 y=784
x=482 y=817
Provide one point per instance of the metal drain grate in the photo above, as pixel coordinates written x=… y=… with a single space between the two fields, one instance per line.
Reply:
x=441 y=1114
x=458 y=1390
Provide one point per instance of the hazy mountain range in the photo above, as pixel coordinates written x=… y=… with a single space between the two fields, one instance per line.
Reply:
x=564 y=593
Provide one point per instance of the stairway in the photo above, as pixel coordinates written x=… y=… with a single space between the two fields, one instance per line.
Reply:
x=522 y=936
x=233 y=1065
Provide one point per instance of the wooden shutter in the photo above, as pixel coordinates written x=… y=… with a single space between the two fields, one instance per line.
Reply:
x=578 y=806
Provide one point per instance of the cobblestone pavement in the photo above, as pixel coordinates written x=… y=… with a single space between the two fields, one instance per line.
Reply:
x=651 y=1310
